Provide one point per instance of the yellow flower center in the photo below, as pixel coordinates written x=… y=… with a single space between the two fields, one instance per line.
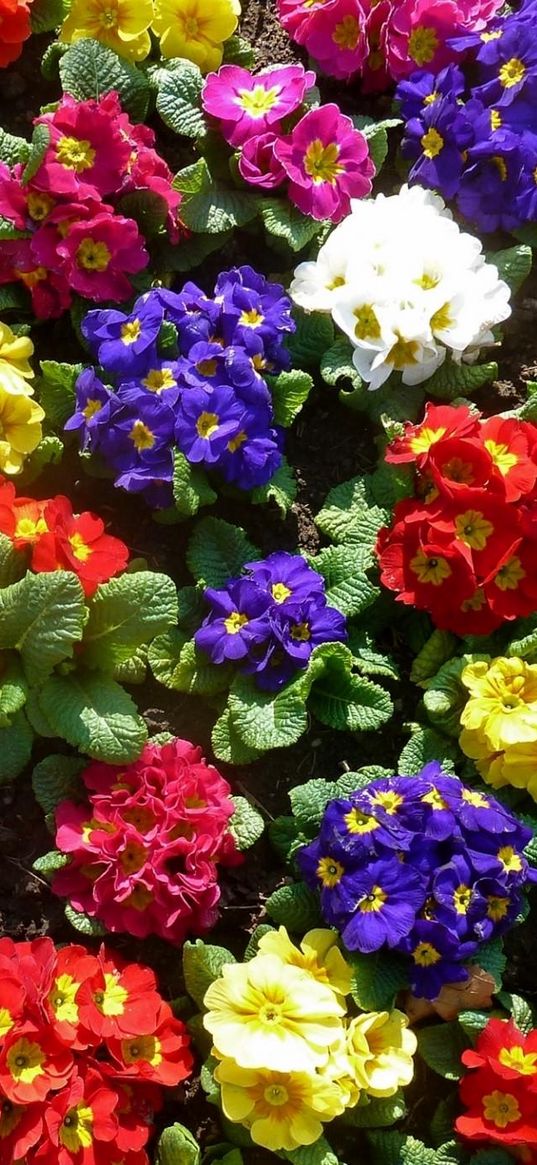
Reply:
x=235 y=622
x=510 y=574
x=367 y=325
x=207 y=424
x=280 y=592
x=131 y=331
x=6 y=1022
x=251 y=319
x=158 y=379
x=374 y=901
x=108 y=17
x=141 y=436
x=30 y=530
x=346 y=34
x=142 y=1048
x=75 y=154
x=494 y=35
x=93 y=256
x=140 y=898
x=39 y=205
x=500 y=166
x=32 y=278
x=111 y=1000
x=473 y=797
x=423 y=440
x=462 y=898
x=62 y=999
x=25 y=1061
x=442 y=319
x=473 y=529
x=476 y=602
x=425 y=955
x=358 y=822
x=207 y=367
x=92 y=407
x=301 y=632
x=10 y=1116
x=236 y=442
x=502 y=457
x=329 y=872
x=191 y=26
x=76 y=1128
x=389 y=801
x=510 y=860
x=501 y=1108
x=512 y=73
x=519 y=1060
x=458 y=470
x=276 y=1094
x=497 y=907
x=422 y=44
x=133 y=857
x=258 y=101
x=321 y=162
x=430 y=570
x=431 y=98
x=495 y=119
x=434 y=799
x=427 y=281
x=403 y=352
x=80 y=549
x=432 y=143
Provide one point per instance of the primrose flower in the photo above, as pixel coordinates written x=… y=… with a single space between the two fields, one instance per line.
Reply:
x=499 y=1092
x=122 y=25
x=381 y=1048
x=20 y=428
x=327 y=162
x=249 y=104
x=16 y=28
x=87 y=154
x=282 y=1110
x=499 y=721
x=319 y=954
x=195 y=29
x=267 y=1014
x=337 y=38
x=15 y=367
x=125 y=343
x=101 y=253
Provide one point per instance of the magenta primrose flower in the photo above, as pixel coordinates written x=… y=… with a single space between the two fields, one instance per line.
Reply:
x=327 y=162
x=258 y=163
x=337 y=41
x=248 y=104
x=99 y=254
x=87 y=154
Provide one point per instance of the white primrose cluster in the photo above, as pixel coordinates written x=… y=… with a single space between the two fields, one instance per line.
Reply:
x=406 y=285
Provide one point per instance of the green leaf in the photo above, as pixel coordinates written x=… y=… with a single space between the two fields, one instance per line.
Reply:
x=319 y=1153
x=213 y=207
x=177 y=1146
x=50 y=61
x=350 y=515
x=367 y=660
x=16 y=742
x=12 y=562
x=13 y=297
x=348 y=702
x=193 y=251
x=425 y=745
x=237 y=51
x=452 y=380
x=190 y=486
x=47 y=864
x=94 y=714
x=46 y=15
x=83 y=923
x=247 y=824
x=192 y=179
x=179 y=99
x=252 y=947
x=38 y=148
x=13 y=689
x=295 y=907
x=48 y=452
x=492 y=958
x=13 y=149
x=336 y=364
x=285 y=221
x=266 y=720
x=376 y=979
x=228 y=745
x=435 y=652
x=441 y=1046
x=43 y=617
x=133 y=670
x=308 y=803
x=392 y=1148
x=177 y=663
x=314 y=334
x=378 y=1113
x=520 y=1010
x=56 y=387
x=57 y=778
x=8 y=232
x=491 y=1157
x=446 y=696
x=282 y=489
x=289 y=392
x=202 y=964
x=514 y=264
x=89 y=69
x=148 y=209
x=347 y=587
x=473 y=1022
x=375 y=133
x=217 y=551
x=125 y=613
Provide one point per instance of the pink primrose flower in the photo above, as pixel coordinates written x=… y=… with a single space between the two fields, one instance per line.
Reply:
x=101 y=253
x=327 y=162
x=417 y=35
x=375 y=73
x=145 y=852
x=476 y=14
x=258 y=163
x=87 y=154
x=12 y=197
x=296 y=15
x=336 y=38
x=248 y=104
x=49 y=290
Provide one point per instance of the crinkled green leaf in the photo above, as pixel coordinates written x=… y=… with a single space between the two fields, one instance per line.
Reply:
x=285 y=221
x=314 y=334
x=134 y=669
x=148 y=209
x=519 y=1009
x=57 y=778
x=177 y=1146
x=178 y=664
x=282 y=489
x=379 y=1113
x=228 y=745
x=9 y=232
x=46 y=15
x=38 y=148
x=202 y=964
x=265 y=720
x=12 y=562
x=47 y=864
x=13 y=688
x=309 y=802
x=94 y=714
x=295 y=907
x=247 y=824
x=90 y=69
x=491 y=957
x=214 y=207
x=392 y=1148
x=90 y=927
x=179 y=99
x=16 y=742
x=425 y=745
x=125 y=613
x=237 y=51
x=389 y=483
x=43 y=617
x=445 y=696
x=336 y=364
x=349 y=514
x=514 y=264
x=285 y=837
x=191 y=252
x=349 y=702
x=13 y=149
x=376 y=979
x=441 y=1046
x=367 y=660
x=452 y=380
x=14 y=297
x=347 y=587
x=289 y=391
x=438 y=649
x=319 y=1153
x=217 y=551
x=48 y=452
x=190 y=486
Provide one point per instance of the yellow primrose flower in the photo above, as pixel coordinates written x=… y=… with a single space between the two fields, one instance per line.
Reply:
x=503 y=702
x=195 y=29
x=20 y=429
x=122 y=25
x=319 y=955
x=380 y=1048
x=15 y=370
x=266 y=1014
x=282 y=1110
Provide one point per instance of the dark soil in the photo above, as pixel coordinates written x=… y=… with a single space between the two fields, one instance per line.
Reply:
x=328 y=444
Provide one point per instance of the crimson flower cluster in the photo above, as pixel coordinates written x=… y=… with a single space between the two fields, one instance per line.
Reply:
x=144 y=854
x=423 y=866
x=59 y=539
x=464 y=548
x=500 y=1094
x=270 y=620
x=477 y=143
x=86 y=1043
x=71 y=238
